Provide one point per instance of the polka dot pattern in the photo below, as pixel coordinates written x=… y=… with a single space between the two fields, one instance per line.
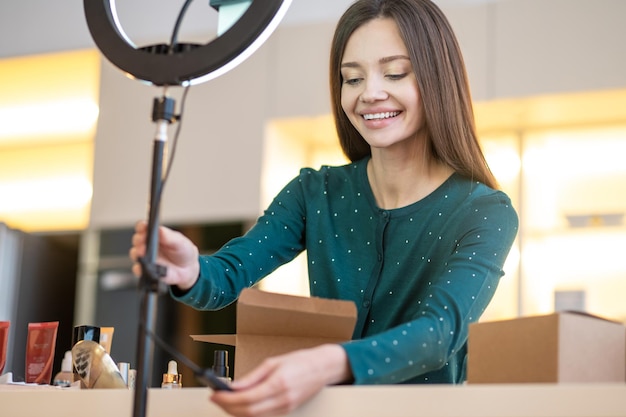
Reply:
x=417 y=274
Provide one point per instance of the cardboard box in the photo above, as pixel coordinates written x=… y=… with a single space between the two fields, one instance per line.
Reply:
x=558 y=348
x=270 y=324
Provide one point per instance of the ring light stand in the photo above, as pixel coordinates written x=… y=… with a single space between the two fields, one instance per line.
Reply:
x=172 y=65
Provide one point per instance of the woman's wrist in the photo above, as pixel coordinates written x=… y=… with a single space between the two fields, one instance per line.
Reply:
x=337 y=365
x=181 y=289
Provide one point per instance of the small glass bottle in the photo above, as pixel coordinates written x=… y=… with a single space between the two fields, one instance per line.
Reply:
x=65 y=377
x=172 y=379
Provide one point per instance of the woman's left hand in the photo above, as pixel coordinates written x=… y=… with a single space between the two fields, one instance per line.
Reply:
x=282 y=383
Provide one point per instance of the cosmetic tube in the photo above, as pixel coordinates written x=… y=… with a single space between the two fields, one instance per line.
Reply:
x=106 y=338
x=4 y=341
x=40 y=346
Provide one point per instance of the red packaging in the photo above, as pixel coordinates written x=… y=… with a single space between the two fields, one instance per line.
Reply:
x=4 y=338
x=40 y=346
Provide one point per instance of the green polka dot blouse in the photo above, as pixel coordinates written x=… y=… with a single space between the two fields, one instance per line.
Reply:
x=419 y=275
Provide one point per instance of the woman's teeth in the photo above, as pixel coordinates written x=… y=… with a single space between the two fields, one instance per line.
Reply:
x=379 y=116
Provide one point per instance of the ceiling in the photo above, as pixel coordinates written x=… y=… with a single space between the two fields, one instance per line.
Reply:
x=40 y=26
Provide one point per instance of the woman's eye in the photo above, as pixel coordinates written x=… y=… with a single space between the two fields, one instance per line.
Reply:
x=397 y=76
x=352 y=81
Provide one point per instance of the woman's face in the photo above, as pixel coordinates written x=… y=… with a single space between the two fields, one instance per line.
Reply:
x=379 y=92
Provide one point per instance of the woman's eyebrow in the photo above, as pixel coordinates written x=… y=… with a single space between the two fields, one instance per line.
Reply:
x=350 y=65
x=383 y=60
x=392 y=58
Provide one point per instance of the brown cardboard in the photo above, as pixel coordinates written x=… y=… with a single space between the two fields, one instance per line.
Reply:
x=270 y=324
x=556 y=348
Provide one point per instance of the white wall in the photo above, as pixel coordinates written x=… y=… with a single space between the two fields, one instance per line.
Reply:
x=217 y=168
x=549 y=46
x=516 y=48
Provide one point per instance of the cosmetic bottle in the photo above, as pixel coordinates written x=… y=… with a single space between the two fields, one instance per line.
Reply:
x=172 y=379
x=80 y=333
x=220 y=364
x=124 y=367
x=132 y=377
x=65 y=377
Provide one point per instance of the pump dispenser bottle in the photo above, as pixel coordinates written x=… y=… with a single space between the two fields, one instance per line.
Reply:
x=172 y=379
x=65 y=377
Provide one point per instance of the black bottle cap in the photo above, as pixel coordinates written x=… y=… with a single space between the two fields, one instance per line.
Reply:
x=220 y=363
x=85 y=333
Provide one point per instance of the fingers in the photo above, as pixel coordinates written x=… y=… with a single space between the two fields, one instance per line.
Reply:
x=278 y=386
x=254 y=395
x=138 y=240
x=256 y=376
x=260 y=401
x=138 y=248
x=141 y=226
x=175 y=251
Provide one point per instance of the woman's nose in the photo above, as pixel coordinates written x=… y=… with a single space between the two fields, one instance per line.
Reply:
x=373 y=91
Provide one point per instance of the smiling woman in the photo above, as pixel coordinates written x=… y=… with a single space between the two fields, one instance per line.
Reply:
x=48 y=115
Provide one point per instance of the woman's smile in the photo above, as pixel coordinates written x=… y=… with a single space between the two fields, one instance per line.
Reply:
x=380 y=116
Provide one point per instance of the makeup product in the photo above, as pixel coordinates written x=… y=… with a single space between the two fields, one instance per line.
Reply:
x=80 y=333
x=220 y=364
x=106 y=338
x=172 y=379
x=40 y=345
x=65 y=377
x=4 y=341
x=124 y=367
x=84 y=332
x=132 y=377
x=94 y=366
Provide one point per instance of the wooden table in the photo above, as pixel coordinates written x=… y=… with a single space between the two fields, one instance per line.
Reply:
x=529 y=400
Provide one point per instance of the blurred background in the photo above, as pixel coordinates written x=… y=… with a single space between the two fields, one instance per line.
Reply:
x=549 y=82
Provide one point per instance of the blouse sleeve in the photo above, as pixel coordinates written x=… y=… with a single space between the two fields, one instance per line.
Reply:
x=276 y=238
x=438 y=332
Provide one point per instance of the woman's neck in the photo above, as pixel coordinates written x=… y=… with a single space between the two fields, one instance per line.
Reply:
x=398 y=180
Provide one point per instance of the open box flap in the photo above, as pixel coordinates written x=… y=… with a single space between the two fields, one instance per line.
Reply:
x=260 y=312
x=222 y=339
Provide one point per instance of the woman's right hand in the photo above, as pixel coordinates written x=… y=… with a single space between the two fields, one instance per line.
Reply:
x=176 y=252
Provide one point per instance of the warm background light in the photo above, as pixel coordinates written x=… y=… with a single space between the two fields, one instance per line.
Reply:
x=48 y=115
x=43 y=120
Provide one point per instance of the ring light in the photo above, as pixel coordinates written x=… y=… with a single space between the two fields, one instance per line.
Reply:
x=189 y=63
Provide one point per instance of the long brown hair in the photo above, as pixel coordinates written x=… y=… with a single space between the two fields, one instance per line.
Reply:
x=441 y=77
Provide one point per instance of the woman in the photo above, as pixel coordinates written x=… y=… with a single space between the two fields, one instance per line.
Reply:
x=413 y=230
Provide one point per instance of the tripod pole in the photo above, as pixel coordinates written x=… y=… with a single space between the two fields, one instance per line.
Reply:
x=150 y=285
